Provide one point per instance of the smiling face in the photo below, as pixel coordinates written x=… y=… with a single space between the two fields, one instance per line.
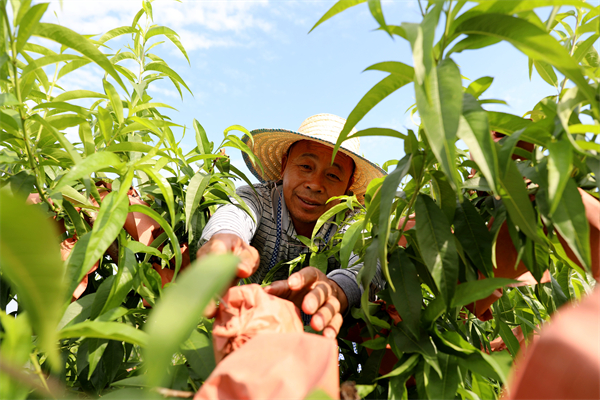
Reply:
x=309 y=180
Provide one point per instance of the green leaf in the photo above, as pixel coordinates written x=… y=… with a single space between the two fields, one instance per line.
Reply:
x=110 y=221
x=478 y=86
x=546 y=72
x=507 y=335
x=445 y=197
x=421 y=38
x=105 y=330
x=189 y=296
x=157 y=66
x=405 y=367
x=337 y=8
x=348 y=241
x=132 y=146
x=516 y=200
x=379 y=132
x=76 y=219
x=96 y=348
x=72 y=66
x=560 y=164
x=170 y=34
x=61 y=105
x=95 y=162
x=194 y=193
x=319 y=261
x=469 y=292
x=584 y=47
x=407 y=297
x=365 y=276
x=28 y=24
x=166 y=227
x=570 y=220
x=115 y=100
x=529 y=39
x=198 y=352
x=377 y=13
x=421 y=344
x=75 y=41
x=105 y=122
x=146 y=106
x=16 y=347
x=388 y=194
x=60 y=137
x=123 y=282
x=439 y=101
x=115 y=32
x=437 y=245
x=380 y=91
x=444 y=387
x=79 y=94
x=474 y=130
x=31 y=262
x=474 y=236
x=47 y=60
x=326 y=216
x=165 y=189
x=204 y=146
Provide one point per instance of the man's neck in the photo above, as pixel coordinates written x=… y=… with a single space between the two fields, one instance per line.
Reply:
x=303 y=228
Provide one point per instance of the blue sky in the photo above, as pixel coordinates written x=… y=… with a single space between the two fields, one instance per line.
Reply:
x=253 y=63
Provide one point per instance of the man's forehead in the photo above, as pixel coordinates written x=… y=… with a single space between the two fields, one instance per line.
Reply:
x=305 y=148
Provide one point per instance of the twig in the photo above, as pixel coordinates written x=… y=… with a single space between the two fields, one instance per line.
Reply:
x=174 y=393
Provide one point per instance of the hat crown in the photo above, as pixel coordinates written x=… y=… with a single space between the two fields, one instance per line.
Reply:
x=328 y=127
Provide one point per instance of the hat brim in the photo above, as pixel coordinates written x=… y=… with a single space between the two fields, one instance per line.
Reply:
x=269 y=146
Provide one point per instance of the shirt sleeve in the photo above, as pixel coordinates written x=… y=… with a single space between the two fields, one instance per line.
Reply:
x=346 y=280
x=230 y=218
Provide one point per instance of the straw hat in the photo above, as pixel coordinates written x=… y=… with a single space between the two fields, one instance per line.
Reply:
x=271 y=144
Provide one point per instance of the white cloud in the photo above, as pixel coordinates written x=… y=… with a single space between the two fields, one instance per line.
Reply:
x=201 y=24
x=193 y=41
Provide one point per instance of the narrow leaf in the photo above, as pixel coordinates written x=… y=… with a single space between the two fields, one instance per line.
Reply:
x=439 y=102
x=437 y=246
x=200 y=282
x=407 y=297
x=31 y=262
x=469 y=292
x=337 y=8
x=105 y=330
x=474 y=236
x=388 y=194
x=72 y=39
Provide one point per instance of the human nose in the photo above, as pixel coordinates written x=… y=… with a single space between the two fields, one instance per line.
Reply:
x=314 y=183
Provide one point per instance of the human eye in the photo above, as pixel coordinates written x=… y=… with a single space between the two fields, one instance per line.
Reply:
x=334 y=177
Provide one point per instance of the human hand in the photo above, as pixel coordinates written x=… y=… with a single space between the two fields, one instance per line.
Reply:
x=315 y=294
x=221 y=243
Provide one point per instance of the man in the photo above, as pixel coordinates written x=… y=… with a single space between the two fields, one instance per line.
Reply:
x=297 y=180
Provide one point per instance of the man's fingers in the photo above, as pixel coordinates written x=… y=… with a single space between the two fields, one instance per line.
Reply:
x=316 y=297
x=279 y=289
x=332 y=330
x=324 y=316
x=304 y=277
x=250 y=260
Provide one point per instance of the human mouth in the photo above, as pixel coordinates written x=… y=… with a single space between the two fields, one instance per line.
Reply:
x=309 y=202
